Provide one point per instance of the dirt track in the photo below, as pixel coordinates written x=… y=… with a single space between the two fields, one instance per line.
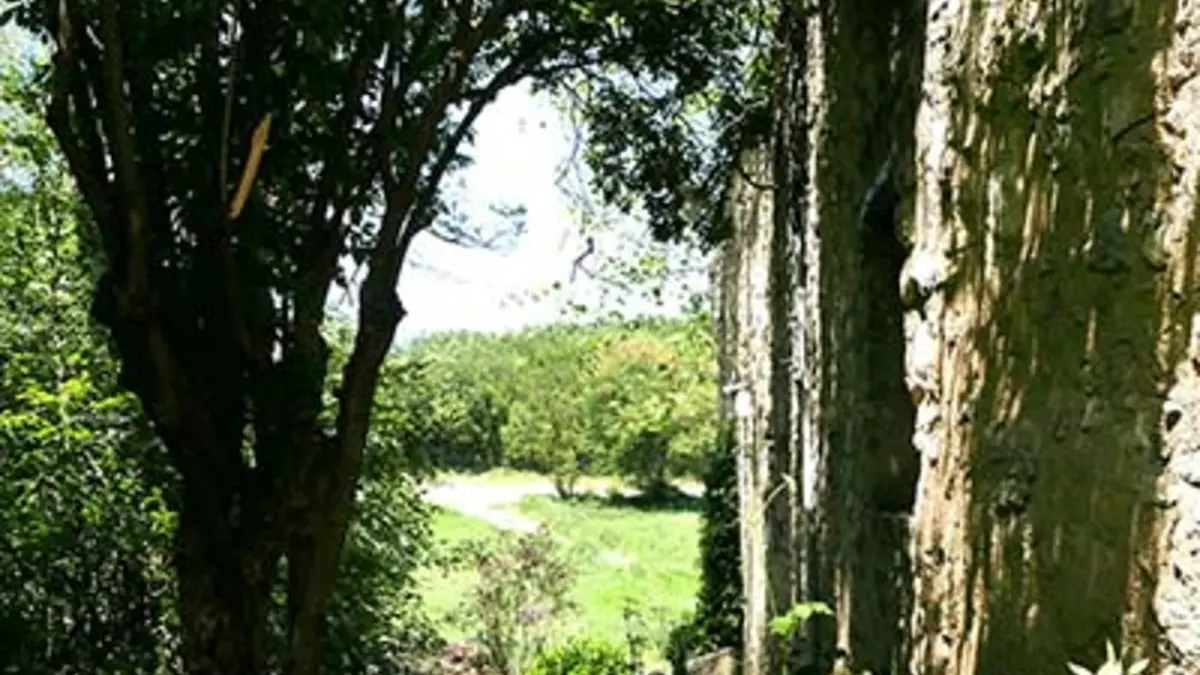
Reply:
x=487 y=501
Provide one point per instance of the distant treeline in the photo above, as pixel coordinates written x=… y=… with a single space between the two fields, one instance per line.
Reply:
x=635 y=398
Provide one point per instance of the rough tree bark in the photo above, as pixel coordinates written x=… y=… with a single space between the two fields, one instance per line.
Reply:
x=818 y=274
x=744 y=352
x=998 y=408
x=1051 y=292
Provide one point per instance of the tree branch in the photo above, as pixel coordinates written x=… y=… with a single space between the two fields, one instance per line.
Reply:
x=124 y=156
x=231 y=77
x=519 y=67
x=379 y=313
x=79 y=153
x=403 y=197
x=83 y=147
x=188 y=429
x=328 y=229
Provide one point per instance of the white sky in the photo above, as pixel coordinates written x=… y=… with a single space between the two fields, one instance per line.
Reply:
x=521 y=144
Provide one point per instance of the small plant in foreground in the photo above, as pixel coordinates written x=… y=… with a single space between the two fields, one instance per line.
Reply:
x=1111 y=666
x=520 y=594
x=581 y=656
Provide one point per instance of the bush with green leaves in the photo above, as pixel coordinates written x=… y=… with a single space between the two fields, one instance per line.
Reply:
x=84 y=538
x=377 y=622
x=581 y=656
x=719 y=610
x=519 y=596
x=717 y=621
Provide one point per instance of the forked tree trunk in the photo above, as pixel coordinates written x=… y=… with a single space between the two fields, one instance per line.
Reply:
x=240 y=519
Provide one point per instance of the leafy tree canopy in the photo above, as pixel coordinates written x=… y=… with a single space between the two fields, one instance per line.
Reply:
x=631 y=397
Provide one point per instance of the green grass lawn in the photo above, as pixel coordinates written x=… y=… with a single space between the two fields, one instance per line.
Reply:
x=451 y=527
x=624 y=556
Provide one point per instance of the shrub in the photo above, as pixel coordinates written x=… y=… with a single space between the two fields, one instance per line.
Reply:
x=376 y=621
x=717 y=622
x=581 y=656
x=521 y=592
x=644 y=460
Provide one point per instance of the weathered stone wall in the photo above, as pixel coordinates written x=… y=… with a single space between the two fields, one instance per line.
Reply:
x=812 y=326
x=1051 y=289
x=864 y=76
x=958 y=436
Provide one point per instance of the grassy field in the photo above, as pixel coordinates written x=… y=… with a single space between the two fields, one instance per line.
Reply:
x=626 y=555
x=450 y=527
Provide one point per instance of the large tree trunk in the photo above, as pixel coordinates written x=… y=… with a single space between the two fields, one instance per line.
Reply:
x=243 y=509
x=744 y=359
x=224 y=592
x=1052 y=287
x=814 y=327
x=1045 y=196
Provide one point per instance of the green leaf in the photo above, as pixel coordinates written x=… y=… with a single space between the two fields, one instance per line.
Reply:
x=787 y=624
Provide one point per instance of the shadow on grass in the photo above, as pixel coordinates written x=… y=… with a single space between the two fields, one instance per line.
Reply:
x=667 y=498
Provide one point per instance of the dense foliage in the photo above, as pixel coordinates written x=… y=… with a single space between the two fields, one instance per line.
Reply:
x=83 y=539
x=719 y=611
x=717 y=620
x=634 y=398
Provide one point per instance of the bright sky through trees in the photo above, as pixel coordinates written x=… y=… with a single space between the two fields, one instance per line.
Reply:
x=522 y=145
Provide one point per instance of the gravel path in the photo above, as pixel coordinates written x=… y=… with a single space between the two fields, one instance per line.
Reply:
x=487 y=501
